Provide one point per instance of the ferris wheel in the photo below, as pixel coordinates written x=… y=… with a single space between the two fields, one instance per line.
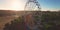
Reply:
x=32 y=5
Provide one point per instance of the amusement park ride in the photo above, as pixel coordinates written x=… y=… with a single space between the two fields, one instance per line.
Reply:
x=34 y=7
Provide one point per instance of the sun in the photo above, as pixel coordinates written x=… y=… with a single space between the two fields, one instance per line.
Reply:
x=16 y=5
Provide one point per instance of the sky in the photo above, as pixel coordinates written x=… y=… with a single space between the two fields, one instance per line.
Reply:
x=19 y=4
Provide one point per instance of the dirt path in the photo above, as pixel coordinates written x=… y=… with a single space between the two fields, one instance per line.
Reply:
x=4 y=20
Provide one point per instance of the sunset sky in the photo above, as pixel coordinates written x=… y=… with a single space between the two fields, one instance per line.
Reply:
x=19 y=4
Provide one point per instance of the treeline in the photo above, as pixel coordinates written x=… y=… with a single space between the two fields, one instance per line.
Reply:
x=7 y=13
x=51 y=20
